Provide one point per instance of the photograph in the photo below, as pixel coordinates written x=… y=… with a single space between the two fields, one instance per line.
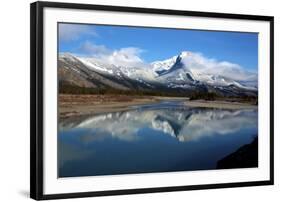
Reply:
x=139 y=100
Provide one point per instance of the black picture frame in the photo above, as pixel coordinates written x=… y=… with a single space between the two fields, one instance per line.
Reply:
x=36 y=98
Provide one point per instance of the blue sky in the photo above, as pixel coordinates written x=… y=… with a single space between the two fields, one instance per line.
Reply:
x=152 y=44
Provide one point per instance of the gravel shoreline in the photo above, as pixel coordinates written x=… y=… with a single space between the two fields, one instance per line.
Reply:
x=75 y=105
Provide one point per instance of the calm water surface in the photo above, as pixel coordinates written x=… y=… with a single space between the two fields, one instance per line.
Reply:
x=162 y=137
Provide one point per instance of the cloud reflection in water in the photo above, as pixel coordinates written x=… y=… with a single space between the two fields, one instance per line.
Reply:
x=186 y=125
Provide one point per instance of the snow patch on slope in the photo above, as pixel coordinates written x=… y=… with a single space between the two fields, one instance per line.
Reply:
x=94 y=66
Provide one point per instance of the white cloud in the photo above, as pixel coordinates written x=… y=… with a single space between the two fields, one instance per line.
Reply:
x=198 y=64
x=90 y=49
x=70 y=32
x=129 y=56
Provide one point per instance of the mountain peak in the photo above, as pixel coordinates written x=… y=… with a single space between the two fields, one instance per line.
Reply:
x=184 y=54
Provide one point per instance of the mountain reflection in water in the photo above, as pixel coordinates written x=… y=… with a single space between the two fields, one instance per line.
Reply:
x=152 y=138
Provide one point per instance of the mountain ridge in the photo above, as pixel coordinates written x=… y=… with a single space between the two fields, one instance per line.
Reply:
x=175 y=74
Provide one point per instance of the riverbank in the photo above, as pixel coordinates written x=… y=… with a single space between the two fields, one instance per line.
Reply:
x=75 y=105
x=220 y=104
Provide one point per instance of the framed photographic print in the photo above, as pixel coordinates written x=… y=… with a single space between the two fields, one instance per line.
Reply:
x=136 y=100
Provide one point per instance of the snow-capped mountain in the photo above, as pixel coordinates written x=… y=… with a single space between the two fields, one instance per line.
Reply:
x=182 y=73
x=183 y=69
x=160 y=67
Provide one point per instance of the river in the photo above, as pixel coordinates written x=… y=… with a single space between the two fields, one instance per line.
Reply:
x=160 y=137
